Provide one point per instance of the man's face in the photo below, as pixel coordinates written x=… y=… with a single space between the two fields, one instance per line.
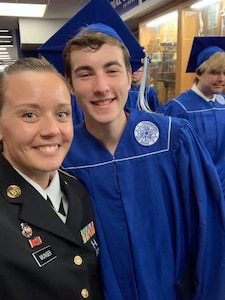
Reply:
x=136 y=77
x=100 y=82
x=35 y=122
x=211 y=83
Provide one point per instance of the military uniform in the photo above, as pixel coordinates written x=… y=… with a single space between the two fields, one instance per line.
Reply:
x=42 y=258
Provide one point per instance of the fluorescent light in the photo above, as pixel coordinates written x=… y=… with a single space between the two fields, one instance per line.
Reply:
x=3 y=53
x=163 y=19
x=202 y=4
x=5 y=58
x=8 y=46
x=3 y=48
x=5 y=36
x=22 y=9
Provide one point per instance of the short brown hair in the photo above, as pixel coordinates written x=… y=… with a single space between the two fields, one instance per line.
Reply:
x=94 y=40
x=21 y=65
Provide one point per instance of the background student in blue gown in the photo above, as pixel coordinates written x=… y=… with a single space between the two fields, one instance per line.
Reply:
x=150 y=93
x=203 y=105
x=157 y=197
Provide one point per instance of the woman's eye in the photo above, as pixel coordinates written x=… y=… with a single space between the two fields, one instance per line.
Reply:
x=29 y=115
x=63 y=114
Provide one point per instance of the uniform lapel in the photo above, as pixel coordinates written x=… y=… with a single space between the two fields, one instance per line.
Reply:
x=37 y=211
x=33 y=208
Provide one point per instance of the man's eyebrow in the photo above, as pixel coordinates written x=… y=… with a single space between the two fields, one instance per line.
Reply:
x=88 y=68
x=112 y=63
x=82 y=68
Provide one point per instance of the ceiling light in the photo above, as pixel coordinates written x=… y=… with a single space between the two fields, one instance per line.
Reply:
x=22 y=9
x=202 y=4
x=5 y=58
x=8 y=46
x=162 y=20
x=5 y=36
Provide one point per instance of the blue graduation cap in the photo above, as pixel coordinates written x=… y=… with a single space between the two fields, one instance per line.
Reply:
x=202 y=49
x=95 y=11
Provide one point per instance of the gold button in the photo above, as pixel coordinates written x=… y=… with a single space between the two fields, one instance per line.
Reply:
x=85 y=293
x=13 y=191
x=78 y=260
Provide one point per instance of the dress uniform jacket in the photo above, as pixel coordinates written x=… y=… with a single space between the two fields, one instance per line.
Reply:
x=159 y=210
x=41 y=258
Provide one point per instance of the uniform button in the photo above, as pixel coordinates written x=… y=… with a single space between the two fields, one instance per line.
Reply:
x=78 y=260
x=85 y=293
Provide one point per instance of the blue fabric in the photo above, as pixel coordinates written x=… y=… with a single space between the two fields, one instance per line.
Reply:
x=159 y=210
x=206 y=53
x=95 y=11
x=77 y=112
x=207 y=119
x=202 y=48
x=151 y=97
x=99 y=27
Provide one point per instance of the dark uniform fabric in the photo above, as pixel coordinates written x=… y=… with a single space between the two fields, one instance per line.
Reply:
x=41 y=258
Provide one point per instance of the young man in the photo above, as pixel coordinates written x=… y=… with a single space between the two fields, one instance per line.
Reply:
x=150 y=93
x=48 y=242
x=204 y=104
x=158 y=201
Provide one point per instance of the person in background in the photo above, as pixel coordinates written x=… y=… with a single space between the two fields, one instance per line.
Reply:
x=204 y=104
x=150 y=93
x=158 y=200
x=48 y=242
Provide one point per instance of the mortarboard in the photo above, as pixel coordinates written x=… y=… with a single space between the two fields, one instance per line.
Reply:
x=202 y=49
x=95 y=11
x=99 y=27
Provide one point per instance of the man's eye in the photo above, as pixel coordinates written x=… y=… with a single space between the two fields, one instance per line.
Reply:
x=84 y=74
x=112 y=71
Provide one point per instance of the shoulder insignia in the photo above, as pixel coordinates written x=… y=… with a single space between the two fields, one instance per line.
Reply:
x=67 y=174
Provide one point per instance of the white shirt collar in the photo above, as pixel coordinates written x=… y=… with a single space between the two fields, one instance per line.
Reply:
x=197 y=91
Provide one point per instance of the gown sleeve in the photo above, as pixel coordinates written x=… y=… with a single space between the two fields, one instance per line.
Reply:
x=204 y=214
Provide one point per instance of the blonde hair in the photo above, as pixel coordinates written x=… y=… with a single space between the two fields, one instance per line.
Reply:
x=213 y=65
x=22 y=65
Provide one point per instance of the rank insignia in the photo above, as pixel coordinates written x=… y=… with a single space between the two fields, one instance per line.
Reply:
x=95 y=246
x=35 y=241
x=26 y=230
x=13 y=191
x=87 y=232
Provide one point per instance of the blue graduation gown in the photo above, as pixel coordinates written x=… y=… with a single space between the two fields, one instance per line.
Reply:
x=159 y=210
x=208 y=120
x=77 y=112
x=151 y=96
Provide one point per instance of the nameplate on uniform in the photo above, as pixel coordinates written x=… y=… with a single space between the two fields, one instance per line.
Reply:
x=44 y=256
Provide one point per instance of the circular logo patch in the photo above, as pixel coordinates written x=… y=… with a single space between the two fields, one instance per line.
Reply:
x=146 y=133
x=220 y=99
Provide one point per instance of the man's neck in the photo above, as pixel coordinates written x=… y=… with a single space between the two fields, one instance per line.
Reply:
x=108 y=134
